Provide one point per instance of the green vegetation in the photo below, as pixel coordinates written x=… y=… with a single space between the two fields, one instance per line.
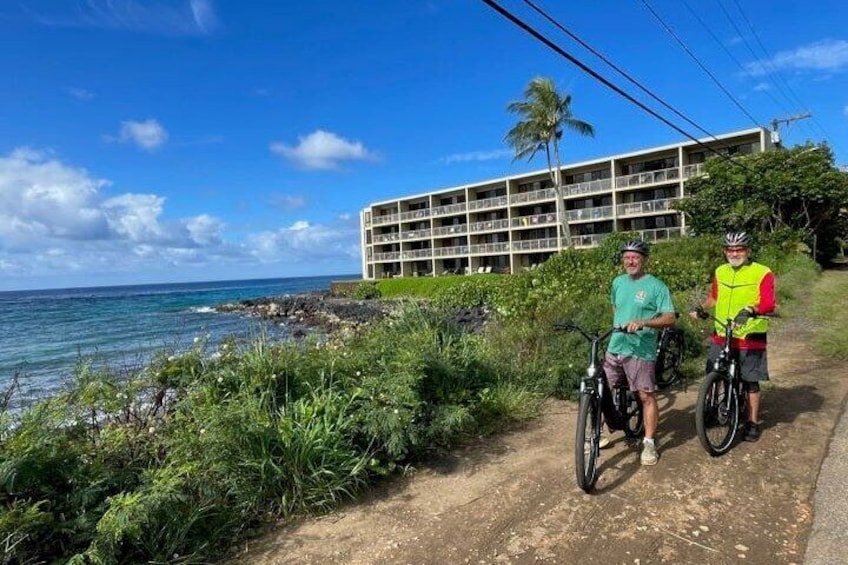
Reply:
x=794 y=194
x=830 y=318
x=197 y=451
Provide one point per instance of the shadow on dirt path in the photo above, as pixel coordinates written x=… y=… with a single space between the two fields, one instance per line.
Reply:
x=513 y=499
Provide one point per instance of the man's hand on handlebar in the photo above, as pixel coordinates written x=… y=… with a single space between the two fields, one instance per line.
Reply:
x=744 y=315
x=699 y=314
x=633 y=327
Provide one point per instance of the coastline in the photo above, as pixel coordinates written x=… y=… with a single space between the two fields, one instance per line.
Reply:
x=323 y=312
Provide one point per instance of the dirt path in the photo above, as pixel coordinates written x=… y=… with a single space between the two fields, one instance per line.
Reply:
x=513 y=499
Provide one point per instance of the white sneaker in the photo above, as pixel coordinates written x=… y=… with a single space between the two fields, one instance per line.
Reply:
x=605 y=439
x=649 y=454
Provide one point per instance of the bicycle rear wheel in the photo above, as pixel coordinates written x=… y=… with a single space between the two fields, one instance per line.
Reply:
x=630 y=406
x=588 y=436
x=717 y=413
x=669 y=358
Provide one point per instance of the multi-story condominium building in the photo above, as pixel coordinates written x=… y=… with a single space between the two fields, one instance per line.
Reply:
x=510 y=224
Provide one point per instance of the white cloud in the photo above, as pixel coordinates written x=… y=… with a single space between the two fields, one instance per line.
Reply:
x=56 y=224
x=305 y=241
x=80 y=93
x=478 y=156
x=322 y=150
x=191 y=17
x=845 y=110
x=205 y=229
x=149 y=134
x=286 y=202
x=826 y=55
x=48 y=208
x=762 y=87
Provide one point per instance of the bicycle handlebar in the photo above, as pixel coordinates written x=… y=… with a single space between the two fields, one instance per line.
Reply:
x=572 y=327
x=704 y=315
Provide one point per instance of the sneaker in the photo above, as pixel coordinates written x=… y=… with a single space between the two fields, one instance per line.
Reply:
x=649 y=453
x=752 y=431
x=605 y=439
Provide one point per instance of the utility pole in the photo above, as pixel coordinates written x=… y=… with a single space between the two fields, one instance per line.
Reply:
x=775 y=125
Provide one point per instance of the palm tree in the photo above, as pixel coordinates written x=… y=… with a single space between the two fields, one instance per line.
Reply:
x=545 y=113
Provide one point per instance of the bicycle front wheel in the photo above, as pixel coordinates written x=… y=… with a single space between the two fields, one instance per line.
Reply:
x=586 y=447
x=717 y=413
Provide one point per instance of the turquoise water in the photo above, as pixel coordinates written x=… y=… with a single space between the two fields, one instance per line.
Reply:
x=44 y=333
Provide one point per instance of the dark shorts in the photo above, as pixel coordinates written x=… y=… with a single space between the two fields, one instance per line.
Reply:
x=637 y=373
x=753 y=363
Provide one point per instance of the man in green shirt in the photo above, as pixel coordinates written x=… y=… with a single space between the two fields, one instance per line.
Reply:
x=641 y=305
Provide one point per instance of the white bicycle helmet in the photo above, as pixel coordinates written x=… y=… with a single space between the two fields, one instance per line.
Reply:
x=636 y=245
x=737 y=239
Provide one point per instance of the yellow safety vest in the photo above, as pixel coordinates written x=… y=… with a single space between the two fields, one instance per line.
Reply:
x=738 y=288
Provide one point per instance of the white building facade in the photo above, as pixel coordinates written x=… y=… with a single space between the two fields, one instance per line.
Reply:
x=510 y=224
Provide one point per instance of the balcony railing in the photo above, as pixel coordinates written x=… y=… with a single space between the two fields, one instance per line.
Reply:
x=695 y=170
x=458 y=229
x=486 y=203
x=535 y=244
x=649 y=177
x=417 y=234
x=382 y=220
x=450 y=251
x=393 y=256
x=533 y=221
x=489 y=248
x=588 y=240
x=447 y=209
x=646 y=207
x=589 y=214
x=415 y=214
x=489 y=225
x=416 y=254
x=589 y=187
x=533 y=196
x=660 y=234
x=387 y=238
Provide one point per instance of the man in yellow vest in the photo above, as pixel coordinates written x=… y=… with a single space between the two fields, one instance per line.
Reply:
x=743 y=291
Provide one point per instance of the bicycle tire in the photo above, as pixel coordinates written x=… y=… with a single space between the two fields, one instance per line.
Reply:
x=630 y=406
x=586 y=448
x=717 y=413
x=669 y=358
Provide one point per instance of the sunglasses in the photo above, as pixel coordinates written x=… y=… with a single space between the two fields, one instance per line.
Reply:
x=736 y=250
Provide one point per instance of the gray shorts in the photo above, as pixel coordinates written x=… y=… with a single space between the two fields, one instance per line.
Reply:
x=638 y=373
x=753 y=363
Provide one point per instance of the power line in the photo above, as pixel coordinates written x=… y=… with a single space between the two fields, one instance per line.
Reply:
x=585 y=68
x=699 y=63
x=730 y=54
x=777 y=72
x=614 y=66
x=762 y=64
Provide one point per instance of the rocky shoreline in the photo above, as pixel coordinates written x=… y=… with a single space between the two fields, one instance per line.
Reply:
x=325 y=313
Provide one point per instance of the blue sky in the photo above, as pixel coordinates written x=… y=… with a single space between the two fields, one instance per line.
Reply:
x=185 y=140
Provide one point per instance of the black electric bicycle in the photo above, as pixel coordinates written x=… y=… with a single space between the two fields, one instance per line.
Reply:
x=721 y=398
x=670 y=351
x=619 y=408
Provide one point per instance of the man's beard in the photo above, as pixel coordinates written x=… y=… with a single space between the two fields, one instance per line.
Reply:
x=737 y=261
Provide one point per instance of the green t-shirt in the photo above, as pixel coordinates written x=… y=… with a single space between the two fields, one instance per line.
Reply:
x=640 y=299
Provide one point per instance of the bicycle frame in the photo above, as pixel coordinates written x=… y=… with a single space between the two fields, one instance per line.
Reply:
x=594 y=381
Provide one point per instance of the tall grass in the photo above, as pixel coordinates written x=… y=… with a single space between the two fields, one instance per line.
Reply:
x=830 y=318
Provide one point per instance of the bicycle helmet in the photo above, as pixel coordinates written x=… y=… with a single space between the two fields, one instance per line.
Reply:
x=737 y=239
x=636 y=245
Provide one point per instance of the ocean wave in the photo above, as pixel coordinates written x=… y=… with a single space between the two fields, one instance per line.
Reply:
x=203 y=310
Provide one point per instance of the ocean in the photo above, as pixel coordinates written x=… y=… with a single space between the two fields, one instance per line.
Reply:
x=45 y=333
